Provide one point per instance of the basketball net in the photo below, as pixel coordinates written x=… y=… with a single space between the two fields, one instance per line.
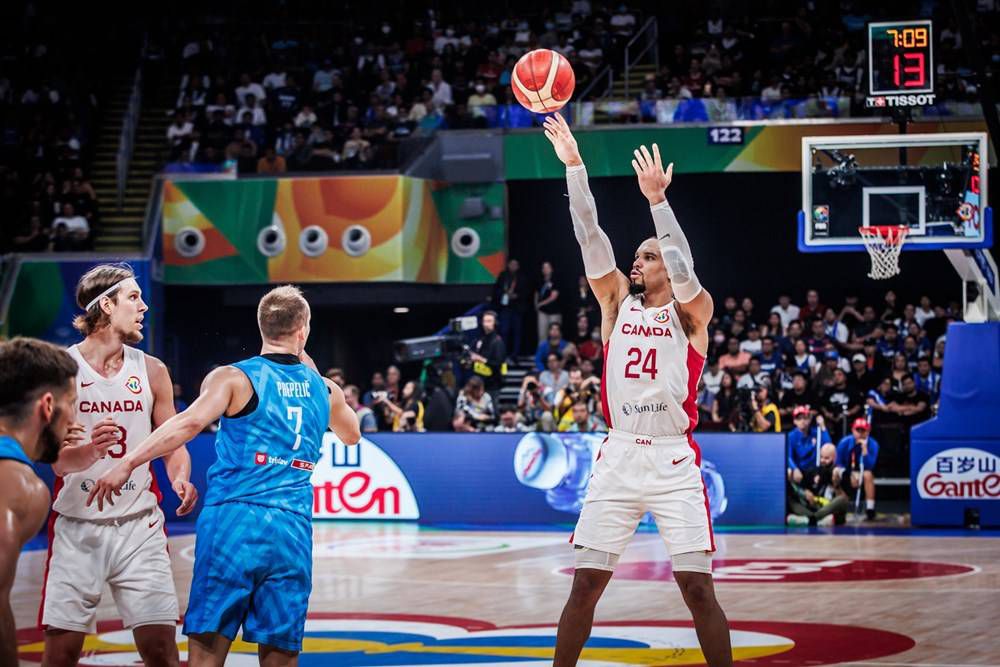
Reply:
x=884 y=245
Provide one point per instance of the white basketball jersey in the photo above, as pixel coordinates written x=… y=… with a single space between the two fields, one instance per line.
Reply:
x=128 y=399
x=651 y=372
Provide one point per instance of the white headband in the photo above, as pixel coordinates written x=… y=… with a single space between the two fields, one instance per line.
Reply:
x=105 y=293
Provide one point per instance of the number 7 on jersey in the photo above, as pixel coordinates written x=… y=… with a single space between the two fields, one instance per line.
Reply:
x=295 y=412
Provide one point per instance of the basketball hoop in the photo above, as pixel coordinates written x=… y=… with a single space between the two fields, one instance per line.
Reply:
x=884 y=245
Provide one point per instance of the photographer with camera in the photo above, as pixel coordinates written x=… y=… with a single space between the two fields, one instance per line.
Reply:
x=578 y=390
x=408 y=415
x=535 y=404
x=764 y=415
x=813 y=498
x=476 y=404
x=489 y=353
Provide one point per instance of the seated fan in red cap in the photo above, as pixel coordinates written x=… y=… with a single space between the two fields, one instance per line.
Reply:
x=543 y=81
x=857 y=455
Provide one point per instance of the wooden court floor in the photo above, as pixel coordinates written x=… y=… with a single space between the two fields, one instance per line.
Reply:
x=394 y=594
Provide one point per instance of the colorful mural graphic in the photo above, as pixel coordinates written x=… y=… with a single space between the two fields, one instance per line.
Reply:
x=334 y=229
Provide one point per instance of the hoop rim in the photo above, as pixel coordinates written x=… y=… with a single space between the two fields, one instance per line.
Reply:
x=889 y=234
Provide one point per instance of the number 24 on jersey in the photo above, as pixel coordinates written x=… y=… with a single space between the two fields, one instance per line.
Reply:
x=640 y=364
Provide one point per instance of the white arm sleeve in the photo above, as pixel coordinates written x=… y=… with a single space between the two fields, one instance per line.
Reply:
x=676 y=253
x=598 y=257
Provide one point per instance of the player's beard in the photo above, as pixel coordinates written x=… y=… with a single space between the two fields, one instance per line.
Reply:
x=49 y=441
x=636 y=288
x=131 y=337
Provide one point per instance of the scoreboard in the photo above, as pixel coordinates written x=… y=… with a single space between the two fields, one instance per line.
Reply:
x=900 y=64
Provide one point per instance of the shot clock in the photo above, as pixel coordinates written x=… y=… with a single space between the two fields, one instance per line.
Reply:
x=900 y=64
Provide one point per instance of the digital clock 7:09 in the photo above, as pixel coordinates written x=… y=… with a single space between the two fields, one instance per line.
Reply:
x=900 y=57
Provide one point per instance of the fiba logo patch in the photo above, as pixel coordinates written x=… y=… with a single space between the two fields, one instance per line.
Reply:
x=133 y=385
x=662 y=317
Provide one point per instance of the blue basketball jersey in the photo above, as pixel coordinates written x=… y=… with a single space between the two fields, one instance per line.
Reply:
x=11 y=449
x=266 y=456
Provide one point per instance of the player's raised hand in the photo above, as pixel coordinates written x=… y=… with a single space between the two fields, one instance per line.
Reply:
x=653 y=178
x=558 y=133
x=188 y=494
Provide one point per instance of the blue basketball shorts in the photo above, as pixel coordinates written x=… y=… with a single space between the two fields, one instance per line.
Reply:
x=252 y=568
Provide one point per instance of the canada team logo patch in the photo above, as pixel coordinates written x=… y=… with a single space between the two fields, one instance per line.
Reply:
x=384 y=640
x=662 y=317
x=133 y=385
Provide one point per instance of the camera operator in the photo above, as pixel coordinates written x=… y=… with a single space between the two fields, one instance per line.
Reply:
x=488 y=353
x=536 y=405
x=578 y=390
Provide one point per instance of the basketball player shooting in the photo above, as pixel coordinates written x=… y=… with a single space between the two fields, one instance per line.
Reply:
x=37 y=408
x=654 y=325
x=253 y=562
x=123 y=394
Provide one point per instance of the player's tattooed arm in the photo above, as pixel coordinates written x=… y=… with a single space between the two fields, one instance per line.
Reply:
x=178 y=462
x=343 y=419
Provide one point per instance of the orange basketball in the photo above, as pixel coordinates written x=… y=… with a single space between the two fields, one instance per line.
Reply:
x=543 y=81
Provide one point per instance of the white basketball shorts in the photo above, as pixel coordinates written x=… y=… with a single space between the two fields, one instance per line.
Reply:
x=131 y=558
x=635 y=474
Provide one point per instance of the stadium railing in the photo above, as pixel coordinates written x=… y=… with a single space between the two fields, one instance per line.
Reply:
x=126 y=141
x=649 y=34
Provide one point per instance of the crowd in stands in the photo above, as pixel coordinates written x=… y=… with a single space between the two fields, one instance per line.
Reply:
x=47 y=123
x=299 y=102
x=312 y=104
x=766 y=370
x=807 y=63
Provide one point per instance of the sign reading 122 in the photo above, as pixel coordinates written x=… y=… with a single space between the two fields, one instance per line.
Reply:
x=900 y=57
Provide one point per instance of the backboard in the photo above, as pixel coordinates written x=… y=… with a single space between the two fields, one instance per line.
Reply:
x=935 y=184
